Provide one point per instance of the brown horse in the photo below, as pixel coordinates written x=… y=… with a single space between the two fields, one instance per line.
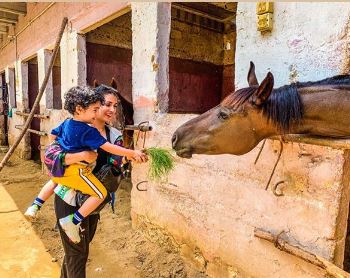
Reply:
x=125 y=115
x=249 y=115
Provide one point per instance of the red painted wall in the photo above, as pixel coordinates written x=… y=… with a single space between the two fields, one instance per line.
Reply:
x=194 y=87
x=104 y=62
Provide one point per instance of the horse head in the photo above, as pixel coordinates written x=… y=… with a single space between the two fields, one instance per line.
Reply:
x=127 y=105
x=235 y=126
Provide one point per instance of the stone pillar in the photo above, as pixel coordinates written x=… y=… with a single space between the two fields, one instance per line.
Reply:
x=22 y=85
x=21 y=71
x=73 y=60
x=44 y=57
x=10 y=80
x=150 y=60
x=2 y=117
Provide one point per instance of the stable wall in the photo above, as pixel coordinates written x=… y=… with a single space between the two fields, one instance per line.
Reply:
x=210 y=205
x=36 y=39
x=309 y=41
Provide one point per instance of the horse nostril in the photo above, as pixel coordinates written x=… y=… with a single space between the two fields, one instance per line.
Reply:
x=174 y=140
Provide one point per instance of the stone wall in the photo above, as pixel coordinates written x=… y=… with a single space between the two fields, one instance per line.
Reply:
x=114 y=33
x=309 y=41
x=195 y=43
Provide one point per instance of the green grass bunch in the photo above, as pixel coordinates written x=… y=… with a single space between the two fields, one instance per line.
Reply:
x=161 y=163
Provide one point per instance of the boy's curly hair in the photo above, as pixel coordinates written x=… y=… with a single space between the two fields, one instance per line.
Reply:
x=81 y=95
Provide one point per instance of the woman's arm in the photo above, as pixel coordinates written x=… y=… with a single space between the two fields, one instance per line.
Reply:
x=88 y=156
x=52 y=137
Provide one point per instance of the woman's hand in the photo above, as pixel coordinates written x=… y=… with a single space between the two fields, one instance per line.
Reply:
x=89 y=156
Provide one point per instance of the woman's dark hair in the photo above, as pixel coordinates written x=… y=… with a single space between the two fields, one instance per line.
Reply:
x=81 y=95
x=104 y=90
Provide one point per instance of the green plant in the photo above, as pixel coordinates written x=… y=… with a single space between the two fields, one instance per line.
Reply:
x=161 y=163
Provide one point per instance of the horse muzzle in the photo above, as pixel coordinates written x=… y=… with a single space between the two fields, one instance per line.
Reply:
x=184 y=152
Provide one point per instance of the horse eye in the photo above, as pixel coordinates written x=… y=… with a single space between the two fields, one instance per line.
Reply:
x=223 y=115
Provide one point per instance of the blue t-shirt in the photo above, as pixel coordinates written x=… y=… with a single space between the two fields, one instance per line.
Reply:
x=75 y=136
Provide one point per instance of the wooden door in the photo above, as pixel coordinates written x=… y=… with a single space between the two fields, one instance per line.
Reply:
x=4 y=100
x=33 y=88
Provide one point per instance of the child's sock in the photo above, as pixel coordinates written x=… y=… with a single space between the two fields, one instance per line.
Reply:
x=77 y=218
x=38 y=202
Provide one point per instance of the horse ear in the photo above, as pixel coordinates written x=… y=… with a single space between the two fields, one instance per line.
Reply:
x=264 y=90
x=252 y=80
x=114 y=83
x=96 y=83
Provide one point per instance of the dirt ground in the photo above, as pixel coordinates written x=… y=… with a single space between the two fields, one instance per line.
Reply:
x=117 y=250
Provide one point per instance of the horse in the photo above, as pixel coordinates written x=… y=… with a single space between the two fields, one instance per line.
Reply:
x=249 y=115
x=125 y=115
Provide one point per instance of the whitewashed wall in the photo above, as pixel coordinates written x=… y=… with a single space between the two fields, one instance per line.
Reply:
x=309 y=41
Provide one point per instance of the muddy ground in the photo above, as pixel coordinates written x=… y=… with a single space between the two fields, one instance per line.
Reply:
x=117 y=250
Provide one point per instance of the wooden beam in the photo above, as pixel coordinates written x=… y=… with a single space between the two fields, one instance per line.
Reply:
x=41 y=116
x=284 y=245
x=38 y=132
x=8 y=16
x=335 y=143
x=197 y=12
x=3 y=30
x=9 y=21
x=14 y=8
x=5 y=24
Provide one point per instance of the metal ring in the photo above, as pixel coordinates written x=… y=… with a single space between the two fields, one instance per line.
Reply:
x=138 y=184
x=274 y=190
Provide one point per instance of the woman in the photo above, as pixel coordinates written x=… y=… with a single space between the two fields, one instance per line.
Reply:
x=76 y=255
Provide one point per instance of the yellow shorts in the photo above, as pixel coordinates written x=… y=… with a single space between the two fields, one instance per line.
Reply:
x=80 y=177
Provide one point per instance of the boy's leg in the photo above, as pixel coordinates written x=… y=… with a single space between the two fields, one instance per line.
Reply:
x=47 y=190
x=44 y=194
x=75 y=255
x=83 y=180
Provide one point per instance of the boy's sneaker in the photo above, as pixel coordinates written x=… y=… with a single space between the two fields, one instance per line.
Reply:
x=32 y=212
x=71 y=230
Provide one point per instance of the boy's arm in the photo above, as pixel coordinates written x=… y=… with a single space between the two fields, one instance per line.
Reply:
x=117 y=150
x=136 y=155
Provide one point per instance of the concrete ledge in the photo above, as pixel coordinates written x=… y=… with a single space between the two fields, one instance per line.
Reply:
x=334 y=143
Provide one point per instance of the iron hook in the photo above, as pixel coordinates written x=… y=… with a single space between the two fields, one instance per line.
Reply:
x=274 y=190
x=138 y=184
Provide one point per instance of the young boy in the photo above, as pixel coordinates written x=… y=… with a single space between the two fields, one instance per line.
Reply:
x=73 y=136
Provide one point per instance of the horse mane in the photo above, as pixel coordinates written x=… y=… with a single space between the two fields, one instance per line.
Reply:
x=335 y=80
x=284 y=107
